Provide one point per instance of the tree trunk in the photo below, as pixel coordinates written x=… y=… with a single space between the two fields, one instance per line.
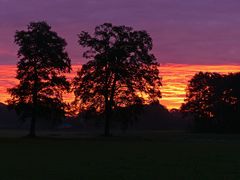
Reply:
x=32 y=132
x=107 y=120
x=109 y=106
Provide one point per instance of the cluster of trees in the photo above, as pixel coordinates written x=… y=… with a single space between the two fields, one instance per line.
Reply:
x=121 y=72
x=214 y=101
x=147 y=117
x=120 y=77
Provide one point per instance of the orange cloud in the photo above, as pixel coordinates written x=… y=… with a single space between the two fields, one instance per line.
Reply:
x=175 y=79
x=176 y=76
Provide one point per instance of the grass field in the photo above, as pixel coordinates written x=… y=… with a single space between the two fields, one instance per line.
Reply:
x=151 y=156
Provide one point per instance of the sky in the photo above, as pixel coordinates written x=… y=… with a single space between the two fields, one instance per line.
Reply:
x=183 y=31
x=188 y=35
x=175 y=78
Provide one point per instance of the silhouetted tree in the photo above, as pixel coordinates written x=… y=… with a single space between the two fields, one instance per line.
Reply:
x=229 y=110
x=213 y=99
x=121 y=70
x=43 y=59
x=201 y=99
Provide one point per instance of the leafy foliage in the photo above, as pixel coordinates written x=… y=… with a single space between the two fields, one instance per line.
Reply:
x=120 y=72
x=43 y=59
x=214 y=101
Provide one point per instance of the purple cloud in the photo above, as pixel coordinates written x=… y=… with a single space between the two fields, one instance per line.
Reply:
x=184 y=31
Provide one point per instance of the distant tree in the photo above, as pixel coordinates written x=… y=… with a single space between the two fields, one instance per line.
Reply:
x=229 y=110
x=43 y=59
x=120 y=72
x=202 y=98
x=129 y=115
x=214 y=101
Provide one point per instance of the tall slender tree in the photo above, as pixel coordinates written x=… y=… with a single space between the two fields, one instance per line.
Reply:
x=121 y=70
x=43 y=59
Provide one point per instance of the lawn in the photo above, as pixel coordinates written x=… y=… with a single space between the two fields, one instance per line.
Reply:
x=152 y=156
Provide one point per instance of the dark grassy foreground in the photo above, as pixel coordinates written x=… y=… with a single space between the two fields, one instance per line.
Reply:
x=145 y=156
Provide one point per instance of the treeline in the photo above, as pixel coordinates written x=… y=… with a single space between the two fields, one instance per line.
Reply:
x=120 y=78
x=121 y=72
x=213 y=100
x=147 y=117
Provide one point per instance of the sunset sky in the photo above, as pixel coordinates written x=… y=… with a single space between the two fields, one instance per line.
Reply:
x=175 y=78
x=188 y=35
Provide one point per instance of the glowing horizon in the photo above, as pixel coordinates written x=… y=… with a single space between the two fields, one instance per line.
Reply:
x=174 y=78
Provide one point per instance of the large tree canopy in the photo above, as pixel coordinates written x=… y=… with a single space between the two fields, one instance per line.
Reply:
x=42 y=60
x=121 y=70
x=214 y=101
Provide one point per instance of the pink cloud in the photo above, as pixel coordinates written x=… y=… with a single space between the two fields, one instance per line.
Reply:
x=175 y=79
